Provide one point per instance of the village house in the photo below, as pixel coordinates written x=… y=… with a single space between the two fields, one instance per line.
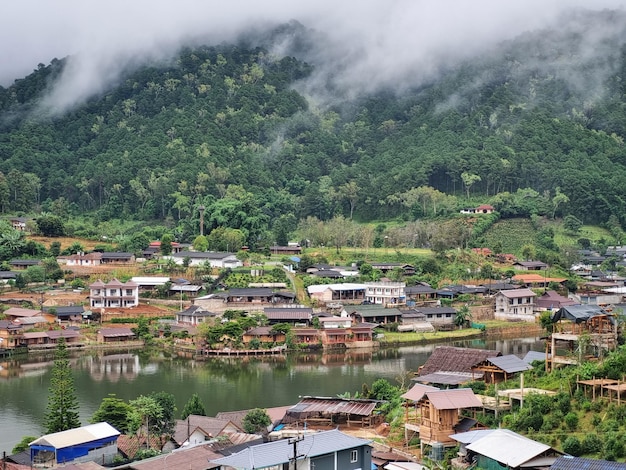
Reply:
x=286 y=250
x=306 y=336
x=92 y=443
x=405 y=269
x=113 y=294
x=116 y=257
x=385 y=293
x=500 y=368
x=551 y=300
x=530 y=265
x=194 y=315
x=215 y=259
x=295 y=315
x=452 y=366
x=81 y=259
x=440 y=415
x=11 y=334
x=502 y=448
x=197 y=429
x=482 y=209
x=115 y=335
x=515 y=304
x=326 y=450
x=351 y=293
x=22 y=264
x=263 y=334
x=374 y=314
x=67 y=313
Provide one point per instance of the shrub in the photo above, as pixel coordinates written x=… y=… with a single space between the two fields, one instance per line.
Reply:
x=572 y=446
x=592 y=444
x=571 y=421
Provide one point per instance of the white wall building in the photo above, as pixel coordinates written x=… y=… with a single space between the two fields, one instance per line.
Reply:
x=383 y=293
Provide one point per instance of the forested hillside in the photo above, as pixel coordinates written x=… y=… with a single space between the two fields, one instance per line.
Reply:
x=535 y=126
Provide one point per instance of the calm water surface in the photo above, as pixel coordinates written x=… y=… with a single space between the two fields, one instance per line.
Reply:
x=223 y=384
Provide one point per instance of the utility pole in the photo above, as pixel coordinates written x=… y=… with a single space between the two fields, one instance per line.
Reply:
x=296 y=456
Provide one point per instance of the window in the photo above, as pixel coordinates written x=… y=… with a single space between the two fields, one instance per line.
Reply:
x=354 y=456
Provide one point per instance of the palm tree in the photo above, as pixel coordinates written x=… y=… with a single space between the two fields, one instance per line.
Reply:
x=463 y=316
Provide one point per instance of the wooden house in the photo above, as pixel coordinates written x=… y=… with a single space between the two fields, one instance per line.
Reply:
x=500 y=368
x=264 y=334
x=440 y=412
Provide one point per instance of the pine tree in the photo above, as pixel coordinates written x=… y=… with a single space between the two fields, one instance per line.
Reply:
x=193 y=407
x=62 y=410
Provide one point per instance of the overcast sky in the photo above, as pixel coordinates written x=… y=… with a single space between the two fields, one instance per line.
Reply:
x=384 y=39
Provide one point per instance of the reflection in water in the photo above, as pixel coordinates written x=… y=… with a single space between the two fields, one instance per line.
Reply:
x=224 y=384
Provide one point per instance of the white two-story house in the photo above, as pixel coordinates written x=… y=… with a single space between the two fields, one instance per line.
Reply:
x=113 y=294
x=383 y=293
x=515 y=304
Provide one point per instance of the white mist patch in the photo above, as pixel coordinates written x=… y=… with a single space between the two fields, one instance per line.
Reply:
x=368 y=44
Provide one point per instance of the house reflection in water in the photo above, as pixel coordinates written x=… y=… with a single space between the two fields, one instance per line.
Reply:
x=114 y=367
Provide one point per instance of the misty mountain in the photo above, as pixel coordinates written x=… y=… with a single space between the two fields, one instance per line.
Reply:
x=263 y=128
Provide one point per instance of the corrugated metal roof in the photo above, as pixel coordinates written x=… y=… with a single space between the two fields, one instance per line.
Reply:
x=532 y=356
x=278 y=452
x=416 y=392
x=453 y=399
x=471 y=436
x=508 y=447
x=517 y=293
x=333 y=405
x=92 y=432
x=510 y=363
x=579 y=463
x=449 y=378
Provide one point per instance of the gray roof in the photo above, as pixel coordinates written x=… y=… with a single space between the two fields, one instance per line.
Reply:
x=279 y=452
x=202 y=254
x=508 y=447
x=532 y=356
x=579 y=463
x=509 y=363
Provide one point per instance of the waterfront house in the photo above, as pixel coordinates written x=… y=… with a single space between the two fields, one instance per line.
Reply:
x=452 y=366
x=92 y=443
x=374 y=314
x=11 y=334
x=333 y=411
x=327 y=450
x=296 y=315
x=194 y=315
x=515 y=304
x=115 y=335
x=500 y=368
x=263 y=334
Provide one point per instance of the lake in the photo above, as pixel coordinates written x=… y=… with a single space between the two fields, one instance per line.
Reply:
x=223 y=384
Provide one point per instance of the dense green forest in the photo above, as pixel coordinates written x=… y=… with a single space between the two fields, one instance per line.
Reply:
x=534 y=127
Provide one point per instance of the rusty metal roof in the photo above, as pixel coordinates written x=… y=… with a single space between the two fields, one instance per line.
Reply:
x=333 y=405
x=453 y=399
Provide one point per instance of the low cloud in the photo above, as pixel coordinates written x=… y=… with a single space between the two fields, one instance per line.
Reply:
x=363 y=45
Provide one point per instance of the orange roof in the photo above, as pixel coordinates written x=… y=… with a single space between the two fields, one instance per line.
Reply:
x=536 y=278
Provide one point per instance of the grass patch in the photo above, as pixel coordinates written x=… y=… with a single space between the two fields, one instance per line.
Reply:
x=392 y=337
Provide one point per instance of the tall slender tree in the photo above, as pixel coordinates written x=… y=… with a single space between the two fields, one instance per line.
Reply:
x=193 y=407
x=62 y=410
